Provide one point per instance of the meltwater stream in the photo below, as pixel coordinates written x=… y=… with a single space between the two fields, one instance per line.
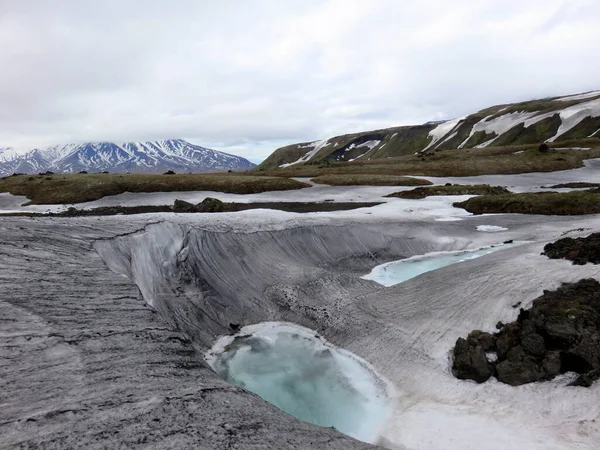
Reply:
x=304 y=375
x=395 y=272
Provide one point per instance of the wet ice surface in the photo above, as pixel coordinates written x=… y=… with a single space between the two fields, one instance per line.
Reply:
x=305 y=376
x=395 y=272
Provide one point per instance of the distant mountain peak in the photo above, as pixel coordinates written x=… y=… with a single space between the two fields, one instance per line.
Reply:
x=143 y=157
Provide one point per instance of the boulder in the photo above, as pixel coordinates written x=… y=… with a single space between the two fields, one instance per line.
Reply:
x=181 y=206
x=470 y=362
x=210 y=204
x=587 y=379
x=486 y=340
x=579 y=250
x=552 y=364
x=507 y=338
x=559 y=333
x=519 y=368
x=534 y=345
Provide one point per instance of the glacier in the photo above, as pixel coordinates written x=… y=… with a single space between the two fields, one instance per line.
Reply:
x=107 y=320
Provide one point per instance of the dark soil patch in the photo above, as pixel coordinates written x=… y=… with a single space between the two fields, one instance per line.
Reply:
x=209 y=205
x=546 y=203
x=560 y=333
x=579 y=250
x=64 y=189
x=370 y=180
x=455 y=189
x=575 y=185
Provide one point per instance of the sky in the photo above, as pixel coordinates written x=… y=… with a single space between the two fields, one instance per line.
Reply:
x=249 y=76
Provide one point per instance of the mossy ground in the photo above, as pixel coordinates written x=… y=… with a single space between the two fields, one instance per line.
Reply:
x=546 y=203
x=370 y=180
x=57 y=189
x=463 y=162
x=455 y=189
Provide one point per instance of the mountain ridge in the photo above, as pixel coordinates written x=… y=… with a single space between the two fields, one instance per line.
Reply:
x=141 y=157
x=551 y=119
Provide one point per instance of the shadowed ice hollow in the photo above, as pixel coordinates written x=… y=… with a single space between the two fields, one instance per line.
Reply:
x=305 y=376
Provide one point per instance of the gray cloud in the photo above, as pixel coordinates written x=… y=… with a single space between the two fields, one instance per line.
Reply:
x=250 y=76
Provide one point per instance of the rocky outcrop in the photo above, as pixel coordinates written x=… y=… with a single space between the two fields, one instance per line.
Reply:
x=450 y=189
x=576 y=185
x=579 y=250
x=181 y=206
x=209 y=204
x=470 y=361
x=560 y=333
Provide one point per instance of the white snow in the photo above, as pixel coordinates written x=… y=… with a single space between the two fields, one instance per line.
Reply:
x=449 y=138
x=486 y=143
x=571 y=148
x=369 y=144
x=501 y=124
x=490 y=228
x=442 y=130
x=573 y=115
x=579 y=96
x=570 y=118
x=307 y=156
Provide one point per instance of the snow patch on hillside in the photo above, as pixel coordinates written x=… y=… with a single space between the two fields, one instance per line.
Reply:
x=307 y=156
x=442 y=130
x=570 y=118
x=579 y=96
x=573 y=115
x=369 y=144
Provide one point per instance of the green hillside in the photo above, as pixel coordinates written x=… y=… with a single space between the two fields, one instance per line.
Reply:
x=529 y=123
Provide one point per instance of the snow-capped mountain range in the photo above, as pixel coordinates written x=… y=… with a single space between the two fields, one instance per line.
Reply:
x=136 y=157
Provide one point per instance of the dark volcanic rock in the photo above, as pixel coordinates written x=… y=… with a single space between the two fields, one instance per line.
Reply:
x=534 y=345
x=587 y=379
x=486 y=340
x=578 y=250
x=576 y=185
x=470 y=362
x=519 y=368
x=507 y=338
x=210 y=204
x=182 y=206
x=560 y=333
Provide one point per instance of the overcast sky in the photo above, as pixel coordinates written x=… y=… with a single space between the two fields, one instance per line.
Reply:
x=248 y=76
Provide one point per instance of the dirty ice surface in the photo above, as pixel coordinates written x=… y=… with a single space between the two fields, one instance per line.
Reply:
x=395 y=272
x=305 y=376
x=490 y=228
